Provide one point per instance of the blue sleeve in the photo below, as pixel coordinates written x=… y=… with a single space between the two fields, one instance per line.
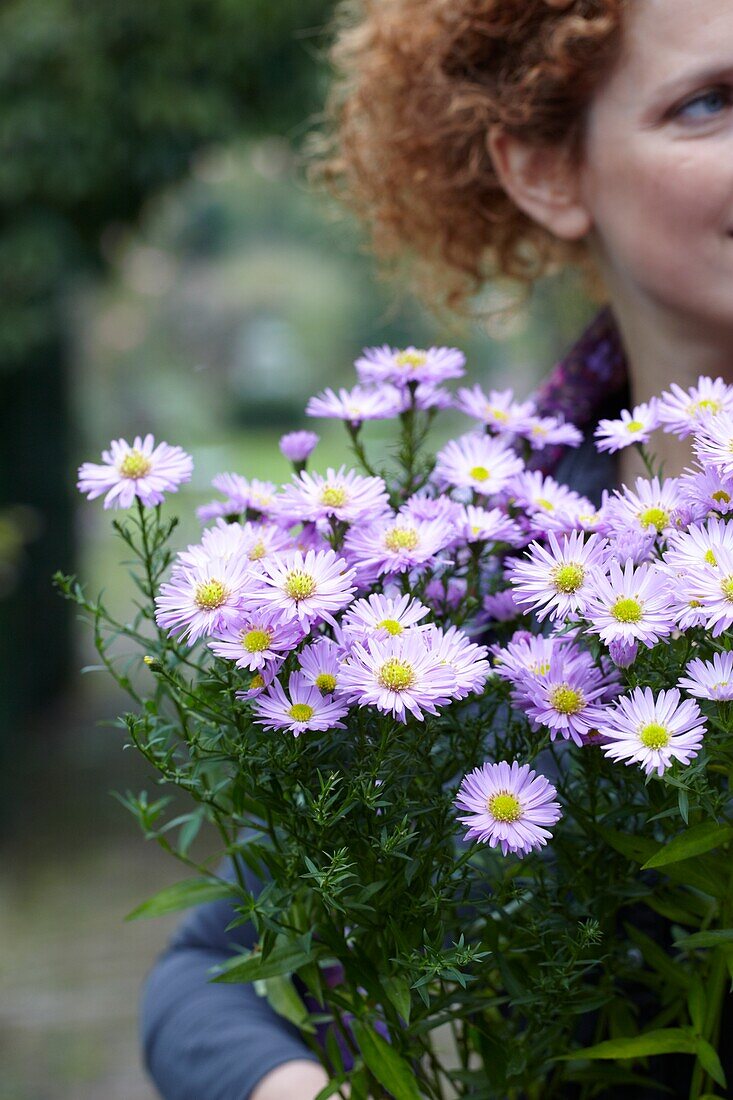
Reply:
x=203 y=1041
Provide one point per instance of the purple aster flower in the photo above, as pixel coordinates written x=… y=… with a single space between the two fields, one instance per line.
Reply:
x=396 y=545
x=430 y=365
x=141 y=470
x=347 y=496
x=632 y=427
x=653 y=509
x=421 y=506
x=427 y=396
x=254 y=541
x=705 y=491
x=710 y=679
x=468 y=661
x=623 y=654
x=630 y=604
x=651 y=732
x=301 y=586
x=488 y=525
x=320 y=664
x=684 y=411
x=302 y=708
x=381 y=616
x=549 y=431
x=240 y=495
x=256 y=639
x=298 y=446
x=549 y=505
x=711 y=590
x=498 y=410
x=713 y=443
x=509 y=806
x=445 y=594
x=477 y=461
x=698 y=546
x=556 y=581
x=356 y=405
x=259 y=681
x=397 y=675
x=524 y=656
x=567 y=699
x=203 y=598
x=500 y=606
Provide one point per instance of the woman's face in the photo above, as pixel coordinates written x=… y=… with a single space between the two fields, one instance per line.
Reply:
x=656 y=177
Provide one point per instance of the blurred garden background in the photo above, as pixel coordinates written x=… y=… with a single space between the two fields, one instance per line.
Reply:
x=164 y=267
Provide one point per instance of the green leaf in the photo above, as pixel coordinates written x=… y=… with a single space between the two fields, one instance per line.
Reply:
x=283 y=997
x=182 y=895
x=398 y=991
x=657 y=957
x=285 y=959
x=714 y=938
x=696 y=1003
x=669 y=1040
x=693 y=842
x=389 y=1067
x=710 y=1062
x=637 y=848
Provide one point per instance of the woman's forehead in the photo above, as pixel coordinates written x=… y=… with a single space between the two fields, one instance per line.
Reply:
x=670 y=47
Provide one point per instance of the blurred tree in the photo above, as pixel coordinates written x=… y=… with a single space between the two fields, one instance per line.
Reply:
x=101 y=105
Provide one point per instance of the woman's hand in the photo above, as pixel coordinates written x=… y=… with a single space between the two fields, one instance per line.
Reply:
x=297 y=1080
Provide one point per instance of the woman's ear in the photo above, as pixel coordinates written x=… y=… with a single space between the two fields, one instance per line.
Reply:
x=543 y=182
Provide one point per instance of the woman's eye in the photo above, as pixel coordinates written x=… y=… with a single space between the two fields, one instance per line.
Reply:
x=705 y=106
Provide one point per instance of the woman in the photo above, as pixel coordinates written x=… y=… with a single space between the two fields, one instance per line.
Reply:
x=485 y=137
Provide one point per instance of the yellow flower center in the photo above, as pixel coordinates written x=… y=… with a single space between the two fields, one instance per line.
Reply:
x=540 y=668
x=710 y=558
x=627 y=610
x=654 y=517
x=396 y=675
x=299 y=585
x=706 y=404
x=721 y=496
x=391 y=626
x=411 y=359
x=325 y=683
x=254 y=641
x=727 y=588
x=635 y=425
x=257 y=682
x=333 y=496
x=257 y=551
x=498 y=414
x=653 y=736
x=568 y=578
x=210 y=595
x=542 y=502
x=538 y=430
x=401 y=538
x=504 y=806
x=479 y=473
x=300 y=712
x=135 y=465
x=566 y=700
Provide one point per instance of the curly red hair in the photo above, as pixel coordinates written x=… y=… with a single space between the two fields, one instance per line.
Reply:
x=419 y=84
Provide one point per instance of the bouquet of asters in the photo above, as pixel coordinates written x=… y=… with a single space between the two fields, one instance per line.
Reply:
x=473 y=735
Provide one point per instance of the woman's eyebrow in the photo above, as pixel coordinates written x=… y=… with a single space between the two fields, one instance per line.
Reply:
x=707 y=74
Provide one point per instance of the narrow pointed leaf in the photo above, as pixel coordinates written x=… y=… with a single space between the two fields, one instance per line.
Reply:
x=389 y=1067
x=670 y=1040
x=693 y=842
x=182 y=895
